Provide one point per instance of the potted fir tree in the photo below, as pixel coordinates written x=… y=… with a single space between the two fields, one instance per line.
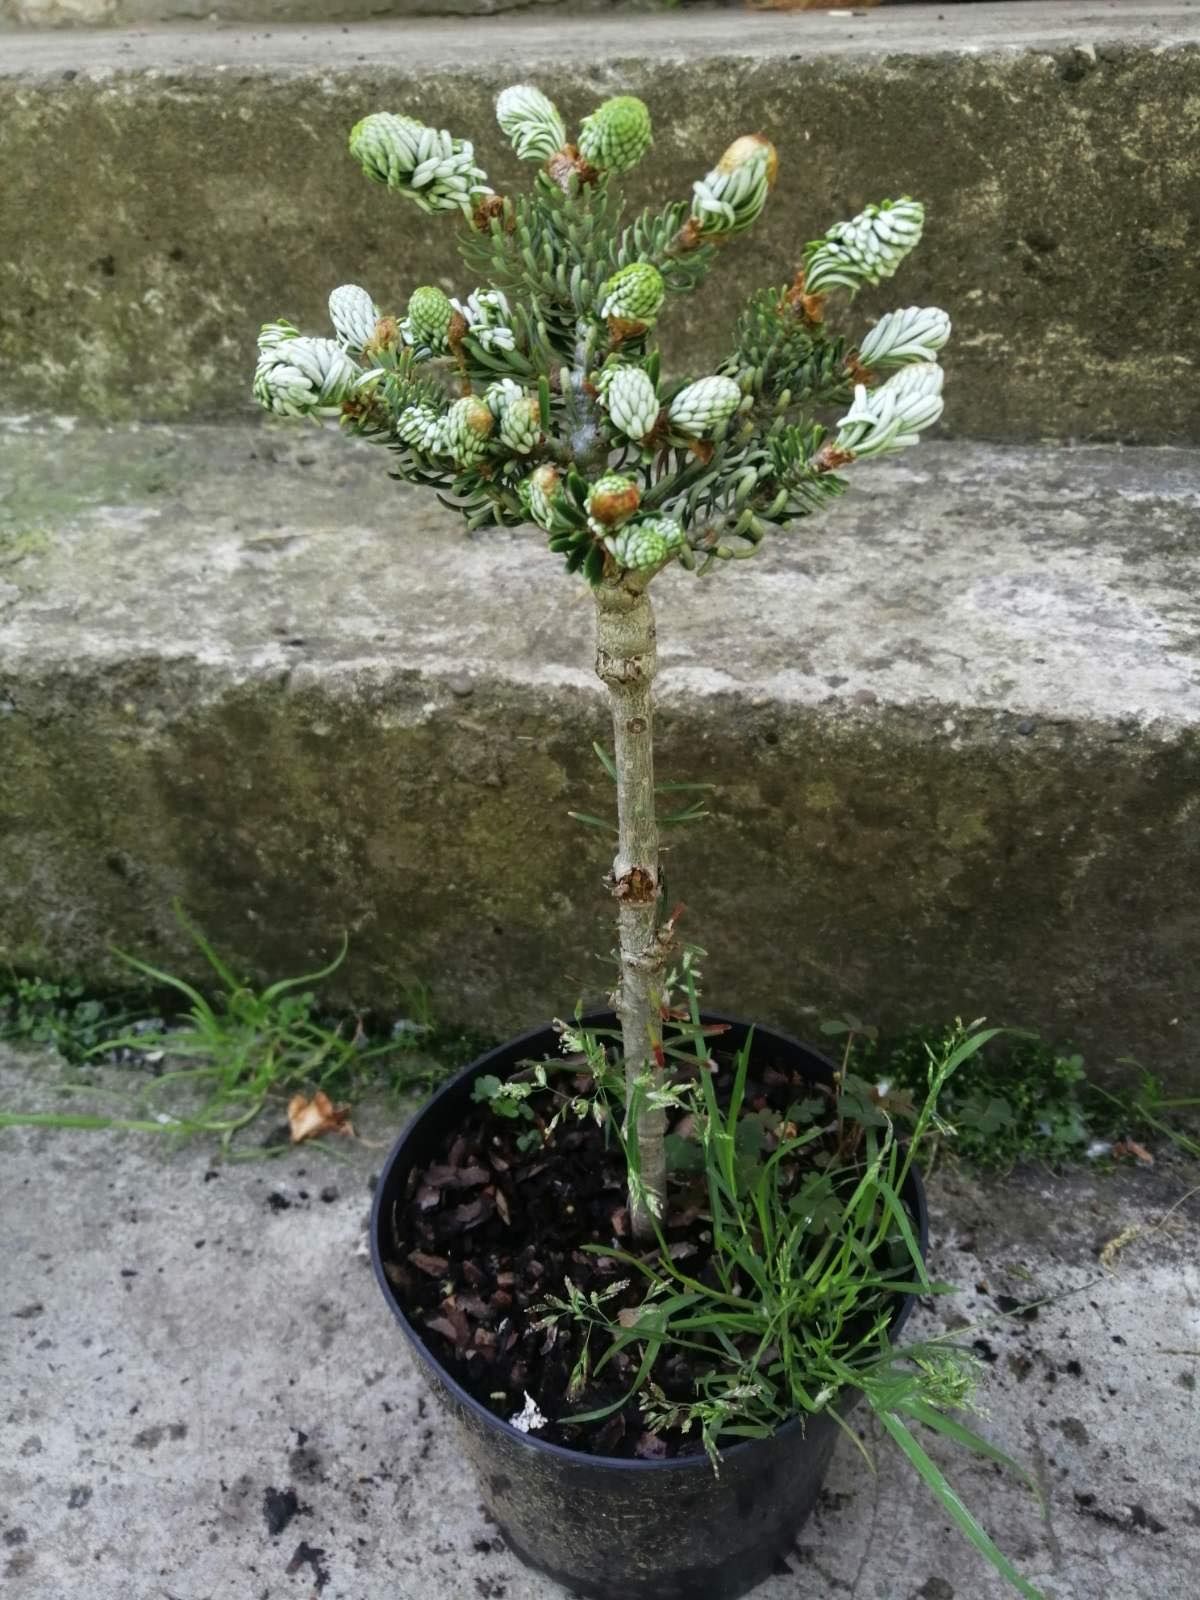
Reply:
x=650 y=1259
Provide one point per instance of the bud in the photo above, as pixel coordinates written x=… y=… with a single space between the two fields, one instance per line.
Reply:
x=634 y=294
x=428 y=165
x=617 y=134
x=647 y=543
x=630 y=398
x=611 y=501
x=354 y=315
x=385 y=146
x=746 y=152
x=865 y=250
x=423 y=428
x=304 y=378
x=731 y=197
x=701 y=409
x=273 y=334
x=521 y=425
x=531 y=121
x=487 y=314
x=502 y=393
x=890 y=418
x=542 y=493
x=427 y=325
x=469 y=421
x=901 y=337
x=490 y=208
x=365 y=413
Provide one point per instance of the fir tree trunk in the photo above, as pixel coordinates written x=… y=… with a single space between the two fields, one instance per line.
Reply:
x=626 y=663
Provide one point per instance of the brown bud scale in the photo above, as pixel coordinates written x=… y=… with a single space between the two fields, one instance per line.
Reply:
x=567 y=163
x=829 y=458
x=616 y=506
x=810 y=306
x=385 y=337
x=859 y=373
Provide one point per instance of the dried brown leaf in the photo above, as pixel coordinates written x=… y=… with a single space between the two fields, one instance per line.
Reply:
x=1130 y=1147
x=309 y=1119
x=473 y=1177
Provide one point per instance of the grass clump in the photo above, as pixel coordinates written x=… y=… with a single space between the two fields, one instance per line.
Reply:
x=812 y=1240
x=214 y=1060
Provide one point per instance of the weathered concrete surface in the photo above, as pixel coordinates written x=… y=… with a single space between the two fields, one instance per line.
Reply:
x=953 y=730
x=174 y=1348
x=208 y=188
x=122 y=13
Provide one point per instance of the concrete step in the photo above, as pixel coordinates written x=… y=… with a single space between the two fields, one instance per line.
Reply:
x=125 y=13
x=166 y=191
x=954 y=729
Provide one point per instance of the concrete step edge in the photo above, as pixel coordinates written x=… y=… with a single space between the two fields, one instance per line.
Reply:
x=208 y=187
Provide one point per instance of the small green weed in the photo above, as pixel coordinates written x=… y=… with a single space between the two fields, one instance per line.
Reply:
x=1025 y=1100
x=240 y=1048
x=62 y=1015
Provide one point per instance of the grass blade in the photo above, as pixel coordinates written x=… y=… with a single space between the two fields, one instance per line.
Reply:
x=954 y=1508
x=54 y=1119
x=896 y=1210
x=968 y=1439
x=205 y=948
x=167 y=979
x=287 y=984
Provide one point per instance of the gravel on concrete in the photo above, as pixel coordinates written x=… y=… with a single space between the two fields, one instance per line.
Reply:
x=204 y=1398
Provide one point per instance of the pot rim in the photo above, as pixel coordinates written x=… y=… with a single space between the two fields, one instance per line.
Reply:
x=462 y=1397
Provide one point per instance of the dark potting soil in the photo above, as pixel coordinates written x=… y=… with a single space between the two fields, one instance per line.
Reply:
x=487 y=1231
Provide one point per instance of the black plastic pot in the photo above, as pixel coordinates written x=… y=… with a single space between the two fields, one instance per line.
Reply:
x=608 y=1528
